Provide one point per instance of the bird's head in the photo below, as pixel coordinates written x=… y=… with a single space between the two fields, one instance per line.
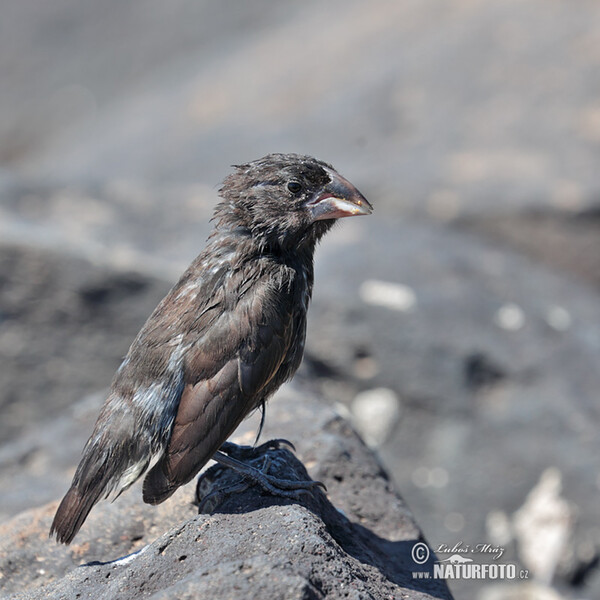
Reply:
x=286 y=200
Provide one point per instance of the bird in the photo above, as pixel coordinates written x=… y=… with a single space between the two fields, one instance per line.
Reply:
x=220 y=343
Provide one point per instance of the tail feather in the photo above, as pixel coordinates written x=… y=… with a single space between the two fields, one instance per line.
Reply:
x=94 y=479
x=71 y=513
x=101 y=473
x=124 y=441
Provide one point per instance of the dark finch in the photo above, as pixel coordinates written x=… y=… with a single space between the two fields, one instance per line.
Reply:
x=221 y=342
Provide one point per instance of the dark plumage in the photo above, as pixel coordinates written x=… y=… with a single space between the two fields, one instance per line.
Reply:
x=227 y=335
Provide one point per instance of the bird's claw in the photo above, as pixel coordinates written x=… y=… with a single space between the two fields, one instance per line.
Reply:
x=275 y=444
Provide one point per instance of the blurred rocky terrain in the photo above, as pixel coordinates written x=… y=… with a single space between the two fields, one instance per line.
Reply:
x=458 y=326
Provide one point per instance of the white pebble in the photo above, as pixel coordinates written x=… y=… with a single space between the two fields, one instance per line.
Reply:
x=420 y=477
x=436 y=477
x=391 y=295
x=558 y=318
x=439 y=477
x=375 y=414
x=454 y=522
x=510 y=317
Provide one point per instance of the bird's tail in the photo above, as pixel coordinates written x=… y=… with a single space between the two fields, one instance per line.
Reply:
x=71 y=513
x=113 y=460
x=101 y=472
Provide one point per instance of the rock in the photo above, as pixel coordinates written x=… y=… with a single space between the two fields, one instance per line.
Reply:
x=65 y=324
x=354 y=542
x=375 y=414
x=522 y=591
x=544 y=526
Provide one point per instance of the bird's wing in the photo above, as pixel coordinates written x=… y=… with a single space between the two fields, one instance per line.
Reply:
x=226 y=372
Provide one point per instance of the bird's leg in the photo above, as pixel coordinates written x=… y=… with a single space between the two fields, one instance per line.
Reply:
x=232 y=456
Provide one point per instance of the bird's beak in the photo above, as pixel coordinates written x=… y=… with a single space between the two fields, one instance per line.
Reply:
x=339 y=198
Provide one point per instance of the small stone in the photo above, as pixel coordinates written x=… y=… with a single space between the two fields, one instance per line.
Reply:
x=454 y=522
x=420 y=477
x=558 y=318
x=439 y=477
x=375 y=414
x=510 y=317
x=391 y=295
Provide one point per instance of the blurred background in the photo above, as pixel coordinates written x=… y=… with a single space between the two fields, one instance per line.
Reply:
x=458 y=327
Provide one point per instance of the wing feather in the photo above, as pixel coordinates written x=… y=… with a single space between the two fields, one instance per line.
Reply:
x=226 y=374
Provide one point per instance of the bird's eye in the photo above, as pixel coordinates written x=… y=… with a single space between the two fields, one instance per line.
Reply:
x=294 y=187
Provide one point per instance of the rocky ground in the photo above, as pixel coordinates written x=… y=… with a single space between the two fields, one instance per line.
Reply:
x=458 y=327
x=358 y=547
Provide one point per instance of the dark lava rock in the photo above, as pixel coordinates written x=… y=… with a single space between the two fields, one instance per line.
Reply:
x=354 y=542
x=65 y=324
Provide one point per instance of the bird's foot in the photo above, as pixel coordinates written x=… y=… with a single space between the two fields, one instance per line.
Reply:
x=253 y=471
